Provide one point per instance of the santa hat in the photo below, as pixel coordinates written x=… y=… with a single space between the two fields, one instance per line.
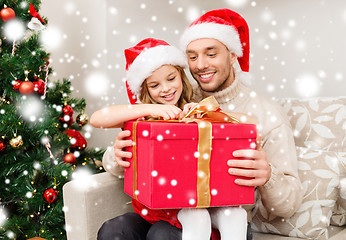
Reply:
x=225 y=26
x=146 y=57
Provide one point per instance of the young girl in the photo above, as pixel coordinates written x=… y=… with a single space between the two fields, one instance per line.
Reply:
x=155 y=74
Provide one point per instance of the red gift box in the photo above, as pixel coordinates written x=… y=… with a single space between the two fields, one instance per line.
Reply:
x=166 y=166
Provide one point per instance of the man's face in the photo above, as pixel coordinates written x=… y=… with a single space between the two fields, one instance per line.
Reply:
x=210 y=63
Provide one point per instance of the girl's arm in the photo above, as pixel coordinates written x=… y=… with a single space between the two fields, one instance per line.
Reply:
x=115 y=116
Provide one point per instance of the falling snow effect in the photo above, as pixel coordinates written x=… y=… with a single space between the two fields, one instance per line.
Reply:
x=14 y=30
x=308 y=85
x=288 y=57
x=287 y=44
x=31 y=108
x=97 y=83
x=51 y=38
x=82 y=179
x=3 y=216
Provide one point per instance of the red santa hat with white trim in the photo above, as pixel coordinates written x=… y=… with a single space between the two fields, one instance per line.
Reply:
x=226 y=26
x=146 y=57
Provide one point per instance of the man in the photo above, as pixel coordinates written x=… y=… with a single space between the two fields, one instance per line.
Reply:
x=213 y=44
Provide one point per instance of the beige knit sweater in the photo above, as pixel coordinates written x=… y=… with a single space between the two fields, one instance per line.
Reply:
x=282 y=194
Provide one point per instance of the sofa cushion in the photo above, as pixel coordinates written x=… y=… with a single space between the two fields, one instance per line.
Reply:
x=318 y=123
x=319 y=172
x=339 y=213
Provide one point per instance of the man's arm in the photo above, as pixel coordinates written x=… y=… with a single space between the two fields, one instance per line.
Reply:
x=282 y=195
x=274 y=170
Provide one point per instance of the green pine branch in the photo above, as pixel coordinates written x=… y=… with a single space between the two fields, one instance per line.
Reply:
x=28 y=166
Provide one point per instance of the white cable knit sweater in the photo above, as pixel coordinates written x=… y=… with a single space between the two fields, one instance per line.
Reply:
x=282 y=194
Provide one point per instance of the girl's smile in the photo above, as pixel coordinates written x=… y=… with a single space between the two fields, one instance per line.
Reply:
x=165 y=85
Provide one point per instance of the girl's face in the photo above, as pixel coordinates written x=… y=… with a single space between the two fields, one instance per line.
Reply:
x=165 y=85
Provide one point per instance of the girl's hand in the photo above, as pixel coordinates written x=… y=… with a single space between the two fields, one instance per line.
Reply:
x=187 y=108
x=121 y=142
x=165 y=111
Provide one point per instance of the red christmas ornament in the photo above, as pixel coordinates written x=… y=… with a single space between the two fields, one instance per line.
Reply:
x=26 y=88
x=50 y=195
x=7 y=14
x=39 y=86
x=67 y=110
x=76 y=139
x=67 y=113
x=16 y=84
x=66 y=119
x=2 y=146
x=69 y=158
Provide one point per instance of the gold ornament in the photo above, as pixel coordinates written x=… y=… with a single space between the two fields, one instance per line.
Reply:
x=16 y=142
x=82 y=119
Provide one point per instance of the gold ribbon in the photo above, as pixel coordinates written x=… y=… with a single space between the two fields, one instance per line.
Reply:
x=203 y=165
x=210 y=112
x=134 y=162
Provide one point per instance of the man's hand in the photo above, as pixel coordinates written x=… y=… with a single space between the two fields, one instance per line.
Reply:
x=119 y=144
x=255 y=166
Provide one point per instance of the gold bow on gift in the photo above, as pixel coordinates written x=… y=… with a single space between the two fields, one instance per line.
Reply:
x=209 y=111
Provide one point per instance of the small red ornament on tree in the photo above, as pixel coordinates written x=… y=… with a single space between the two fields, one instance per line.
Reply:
x=67 y=110
x=76 y=139
x=50 y=195
x=26 y=88
x=39 y=86
x=2 y=146
x=67 y=113
x=66 y=119
x=16 y=84
x=7 y=14
x=69 y=158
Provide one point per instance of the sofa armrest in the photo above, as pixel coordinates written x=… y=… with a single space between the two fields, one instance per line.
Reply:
x=90 y=202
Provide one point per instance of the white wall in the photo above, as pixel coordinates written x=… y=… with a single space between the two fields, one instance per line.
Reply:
x=292 y=42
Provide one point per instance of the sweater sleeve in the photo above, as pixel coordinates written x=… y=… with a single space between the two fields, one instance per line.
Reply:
x=282 y=194
x=110 y=165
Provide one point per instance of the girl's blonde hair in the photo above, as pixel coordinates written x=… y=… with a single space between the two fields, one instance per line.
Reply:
x=186 y=95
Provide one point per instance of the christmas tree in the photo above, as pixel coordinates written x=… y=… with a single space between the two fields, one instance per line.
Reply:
x=40 y=124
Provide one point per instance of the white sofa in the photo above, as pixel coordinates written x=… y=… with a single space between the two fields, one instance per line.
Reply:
x=320 y=136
